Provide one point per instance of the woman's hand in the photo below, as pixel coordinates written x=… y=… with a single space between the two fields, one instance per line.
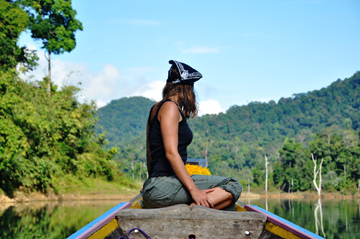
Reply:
x=200 y=197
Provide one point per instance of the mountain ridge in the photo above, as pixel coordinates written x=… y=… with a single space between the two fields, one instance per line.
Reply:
x=238 y=139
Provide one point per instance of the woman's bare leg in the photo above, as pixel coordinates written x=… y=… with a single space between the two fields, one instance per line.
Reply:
x=219 y=197
x=224 y=204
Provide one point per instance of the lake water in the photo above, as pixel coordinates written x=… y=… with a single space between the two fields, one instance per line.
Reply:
x=330 y=218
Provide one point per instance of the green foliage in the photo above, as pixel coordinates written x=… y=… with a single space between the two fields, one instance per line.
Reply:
x=14 y=20
x=297 y=166
x=259 y=176
x=54 y=23
x=42 y=138
x=295 y=173
x=278 y=174
x=124 y=119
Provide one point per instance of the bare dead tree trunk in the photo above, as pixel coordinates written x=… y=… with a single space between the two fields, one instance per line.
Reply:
x=278 y=156
x=266 y=204
x=49 y=73
x=266 y=174
x=289 y=205
x=346 y=222
x=289 y=186
x=316 y=172
x=281 y=188
x=321 y=219
x=316 y=218
x=132 y=169
x=318 y=208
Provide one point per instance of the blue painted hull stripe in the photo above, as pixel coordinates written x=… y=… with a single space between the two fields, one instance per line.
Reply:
x=290 y=223
x=85 y=228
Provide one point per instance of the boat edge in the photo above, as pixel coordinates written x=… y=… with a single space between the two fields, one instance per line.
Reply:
x=99 y=222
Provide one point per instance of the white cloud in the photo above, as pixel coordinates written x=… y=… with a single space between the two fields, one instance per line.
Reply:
x=31 y=46
x=152 y=90
x=201 y=50
x=103 y=86
x=209 y=106
x=100 y=103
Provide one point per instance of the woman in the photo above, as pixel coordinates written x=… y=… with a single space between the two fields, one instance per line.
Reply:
x=168 y=135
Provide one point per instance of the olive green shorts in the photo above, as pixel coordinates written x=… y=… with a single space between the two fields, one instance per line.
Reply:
x=167 y=191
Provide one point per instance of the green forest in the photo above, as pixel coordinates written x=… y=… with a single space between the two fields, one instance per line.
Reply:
x=47 y=137
x=323 y=122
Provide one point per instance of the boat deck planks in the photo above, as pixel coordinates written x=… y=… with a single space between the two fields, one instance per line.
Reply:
x=181 y=221
x=248 y=221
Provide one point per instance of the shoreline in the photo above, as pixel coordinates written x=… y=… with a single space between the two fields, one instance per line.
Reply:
x=312 y=195
x=21 y=197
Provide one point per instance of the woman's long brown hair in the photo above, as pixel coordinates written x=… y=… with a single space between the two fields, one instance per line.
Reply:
x=187 y=99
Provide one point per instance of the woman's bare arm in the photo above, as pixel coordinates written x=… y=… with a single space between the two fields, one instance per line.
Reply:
x=169 y=118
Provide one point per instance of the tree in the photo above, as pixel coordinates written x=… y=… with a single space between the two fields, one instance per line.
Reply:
x=316 y=172
x=278 y=174
x=266 y=174
x=13 y=20
x=54 y=23
x=41 y=140
x=293 y=163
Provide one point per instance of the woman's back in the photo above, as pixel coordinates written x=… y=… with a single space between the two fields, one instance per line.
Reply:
x=160 y=165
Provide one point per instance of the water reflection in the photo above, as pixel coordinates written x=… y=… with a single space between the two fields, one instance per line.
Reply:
x=49 y=220
x=317 y=211
x=330 y=218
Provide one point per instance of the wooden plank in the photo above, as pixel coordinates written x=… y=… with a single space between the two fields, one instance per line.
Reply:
x=181 y=221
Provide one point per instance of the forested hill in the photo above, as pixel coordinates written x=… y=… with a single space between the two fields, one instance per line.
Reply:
x=267 y=124
x=123 y=119
x=237 y=141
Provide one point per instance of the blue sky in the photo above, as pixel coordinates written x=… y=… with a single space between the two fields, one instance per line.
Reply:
x=246 y=50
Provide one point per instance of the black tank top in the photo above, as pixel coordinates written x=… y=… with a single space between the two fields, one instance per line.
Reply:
x=160 y=165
